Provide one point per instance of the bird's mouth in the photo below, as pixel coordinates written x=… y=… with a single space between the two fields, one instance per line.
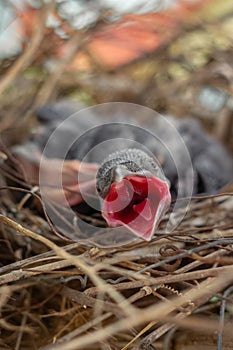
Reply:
x=138 y=203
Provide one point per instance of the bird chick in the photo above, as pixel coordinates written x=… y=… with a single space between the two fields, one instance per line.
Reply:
x=135 y=191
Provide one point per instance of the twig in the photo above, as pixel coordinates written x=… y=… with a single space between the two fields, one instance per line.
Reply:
x=83 y=299
x=222 y=315
x=11 y=188
x=22 y=326
x=20 y=274
x=81 y=329
x=28 y=55
x=74 y=45
x=10 y=327
x=138 y=317
x=74 y=260
x=189 y=276
x=24 y=262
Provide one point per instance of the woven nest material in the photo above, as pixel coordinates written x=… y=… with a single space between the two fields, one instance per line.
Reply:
x=59 y=294
x=172 y=293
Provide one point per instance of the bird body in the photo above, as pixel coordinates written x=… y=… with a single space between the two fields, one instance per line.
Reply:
x=208 y=156
x=137 y=162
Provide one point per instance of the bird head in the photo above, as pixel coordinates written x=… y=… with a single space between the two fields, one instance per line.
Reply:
x=135 y=191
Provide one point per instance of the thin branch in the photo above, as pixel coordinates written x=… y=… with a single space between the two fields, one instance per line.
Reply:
x=28 y=55
x=74 y=45
x=159 y=311
x=74 y=260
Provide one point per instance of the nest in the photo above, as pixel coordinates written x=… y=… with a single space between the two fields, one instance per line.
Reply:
x=172 y=293
x=63 y=294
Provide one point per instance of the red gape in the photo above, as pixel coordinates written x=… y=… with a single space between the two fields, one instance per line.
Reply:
x=138 y=203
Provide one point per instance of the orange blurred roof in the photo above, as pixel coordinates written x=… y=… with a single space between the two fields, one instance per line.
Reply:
x=115 y=44
x=135 y=36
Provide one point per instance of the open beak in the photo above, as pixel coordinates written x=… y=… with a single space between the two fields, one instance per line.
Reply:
x=138 y=203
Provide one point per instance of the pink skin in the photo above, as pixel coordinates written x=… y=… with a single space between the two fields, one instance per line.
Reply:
x=77 y=178
x=138 y=203
x=53 y=170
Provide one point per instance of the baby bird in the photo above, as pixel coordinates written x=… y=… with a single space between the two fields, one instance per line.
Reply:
x=132 y=166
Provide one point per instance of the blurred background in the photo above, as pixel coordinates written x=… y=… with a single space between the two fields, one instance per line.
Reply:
x=174 y=56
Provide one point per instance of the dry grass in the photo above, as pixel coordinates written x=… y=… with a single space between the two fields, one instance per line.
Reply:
x=59 y=294
x=56 y=293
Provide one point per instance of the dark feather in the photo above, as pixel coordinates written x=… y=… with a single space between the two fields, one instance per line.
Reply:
x=211 y=163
